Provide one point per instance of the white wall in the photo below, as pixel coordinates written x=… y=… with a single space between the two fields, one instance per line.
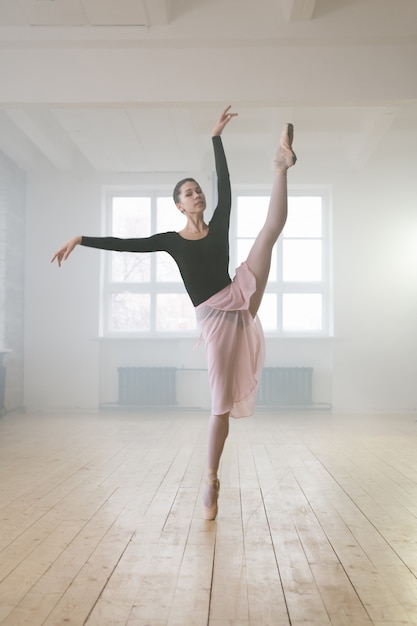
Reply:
x=370 y=364
x=375 y=258
x=12 y=252
x=61 y=351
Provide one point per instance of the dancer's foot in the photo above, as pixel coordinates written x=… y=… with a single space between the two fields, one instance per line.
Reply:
x=285 y=156
x=211 y=494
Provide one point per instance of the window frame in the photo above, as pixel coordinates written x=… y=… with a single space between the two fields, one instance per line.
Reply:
x=109 y=287
x=153 y=288
x=326 y=289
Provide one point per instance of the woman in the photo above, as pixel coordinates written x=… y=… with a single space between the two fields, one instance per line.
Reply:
x=226 y=310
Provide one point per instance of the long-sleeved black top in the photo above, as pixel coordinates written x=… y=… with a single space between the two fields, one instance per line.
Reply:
x=203 y=263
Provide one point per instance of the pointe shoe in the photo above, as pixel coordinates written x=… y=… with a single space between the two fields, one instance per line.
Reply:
x=285 y=156
x=210 y=513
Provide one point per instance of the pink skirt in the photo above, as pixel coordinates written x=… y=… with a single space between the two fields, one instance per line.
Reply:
x=235 y=346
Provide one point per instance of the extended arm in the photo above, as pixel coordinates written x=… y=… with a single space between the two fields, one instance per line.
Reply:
x=224 y=194
x=143 y=244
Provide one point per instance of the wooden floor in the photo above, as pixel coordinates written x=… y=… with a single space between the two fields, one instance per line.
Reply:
x=100 y=521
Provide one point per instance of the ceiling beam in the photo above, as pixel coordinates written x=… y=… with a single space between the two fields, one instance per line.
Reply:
x=16 y=145
x=47 y=13
x=83 y=13
x=298 y=10
x=43 y=132
x=159 y=12
x=111 y=13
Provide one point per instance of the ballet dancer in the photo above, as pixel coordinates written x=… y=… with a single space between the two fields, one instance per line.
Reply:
x=226 y=309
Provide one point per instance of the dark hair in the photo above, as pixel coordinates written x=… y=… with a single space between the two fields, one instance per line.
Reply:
x=177 y=188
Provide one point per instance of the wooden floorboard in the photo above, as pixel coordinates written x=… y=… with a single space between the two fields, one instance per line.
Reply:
x=101 y=521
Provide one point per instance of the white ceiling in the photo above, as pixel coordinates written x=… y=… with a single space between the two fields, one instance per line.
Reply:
x=82 y=12
x=135 y=85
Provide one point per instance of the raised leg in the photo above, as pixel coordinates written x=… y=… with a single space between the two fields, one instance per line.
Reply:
x=259 y=258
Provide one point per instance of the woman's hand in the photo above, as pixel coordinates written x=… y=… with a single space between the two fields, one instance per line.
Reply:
x=63 y=253
x=223 y=120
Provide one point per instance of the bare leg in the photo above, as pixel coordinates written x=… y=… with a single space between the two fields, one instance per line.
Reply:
x=218 y=430
x=259 y=258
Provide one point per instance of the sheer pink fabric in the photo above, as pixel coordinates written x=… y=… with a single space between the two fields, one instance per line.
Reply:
x=235 y=346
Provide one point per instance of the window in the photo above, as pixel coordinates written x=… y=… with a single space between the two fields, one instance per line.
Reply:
x=143 y=294
x=297 y=297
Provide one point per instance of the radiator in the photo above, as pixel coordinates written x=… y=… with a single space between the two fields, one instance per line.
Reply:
x=285 y=386
x=156 y=386
x=148 y=386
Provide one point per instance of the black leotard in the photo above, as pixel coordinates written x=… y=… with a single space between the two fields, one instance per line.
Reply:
x=203 y=263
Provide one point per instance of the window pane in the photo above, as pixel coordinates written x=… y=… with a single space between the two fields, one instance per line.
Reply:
x=167 y=216
x=166 y=268
x=268 y=312
x=130 y=312
x=130 y=267
x=131 y=217
x=302 y=312
x=174 y=312
x=302 y=260
x=296 y=265
x=251 y=214
x=304 y=217
x=243 y=247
